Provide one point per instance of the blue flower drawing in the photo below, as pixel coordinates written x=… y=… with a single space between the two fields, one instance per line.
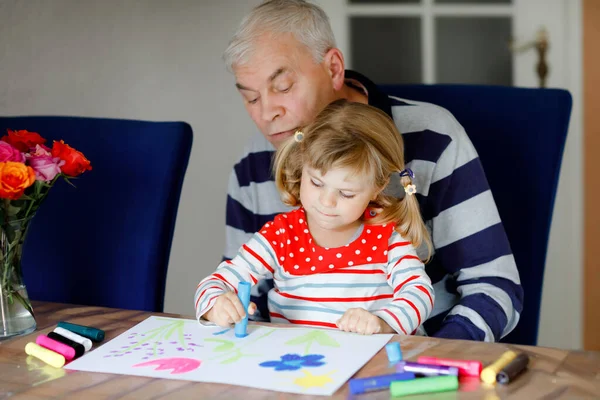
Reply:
x=293 y=362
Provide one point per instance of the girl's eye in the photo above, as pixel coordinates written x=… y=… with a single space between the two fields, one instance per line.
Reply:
x=317 y=184
x=346 y=195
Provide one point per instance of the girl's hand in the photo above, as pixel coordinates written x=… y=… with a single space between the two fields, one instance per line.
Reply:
x=228 y=309
x=359 y=320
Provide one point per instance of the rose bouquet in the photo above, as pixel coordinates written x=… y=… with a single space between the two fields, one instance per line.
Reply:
x=28 y=170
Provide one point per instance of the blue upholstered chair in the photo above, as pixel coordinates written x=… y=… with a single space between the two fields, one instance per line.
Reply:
x=520 y=136
x=107 y=241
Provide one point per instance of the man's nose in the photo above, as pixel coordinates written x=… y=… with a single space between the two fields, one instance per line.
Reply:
x=270 y=109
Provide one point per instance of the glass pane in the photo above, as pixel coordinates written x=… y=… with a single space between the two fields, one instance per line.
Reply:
x=473 y=50
x=473 y=1
x=384 y=1
x=386 y=49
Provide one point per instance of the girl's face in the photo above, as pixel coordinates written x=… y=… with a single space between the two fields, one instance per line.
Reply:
x=337 y=200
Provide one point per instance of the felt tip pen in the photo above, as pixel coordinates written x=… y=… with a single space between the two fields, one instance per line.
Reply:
x=244 y=296
x=465 y=367
x=489 y=373
x=85 y=342
x=97 y=335
x=430 y=384
x=513 y=369
x=374 y=383
x=78 y=347
x=426 y=369
x=48 y=356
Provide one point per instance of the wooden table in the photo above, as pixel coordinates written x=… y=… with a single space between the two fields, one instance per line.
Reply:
x=553 y=373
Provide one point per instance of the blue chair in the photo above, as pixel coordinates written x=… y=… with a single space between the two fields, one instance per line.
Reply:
x=520 y=136
x=107 y=241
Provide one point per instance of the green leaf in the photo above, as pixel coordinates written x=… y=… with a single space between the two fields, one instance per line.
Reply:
x=325 y=340
x=225 y=345
x=321 y=338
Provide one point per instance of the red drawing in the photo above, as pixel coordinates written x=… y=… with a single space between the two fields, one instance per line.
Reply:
x=177 y=364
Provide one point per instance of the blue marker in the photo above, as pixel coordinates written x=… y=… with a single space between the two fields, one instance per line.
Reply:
x=364 y=385
x=244 y=295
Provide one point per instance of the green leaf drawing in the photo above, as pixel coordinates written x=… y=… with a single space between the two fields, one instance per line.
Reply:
x=225 y=345
x=234 y=351
x=320 y=337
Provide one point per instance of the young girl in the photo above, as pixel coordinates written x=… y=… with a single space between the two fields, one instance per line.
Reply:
x=346 y=257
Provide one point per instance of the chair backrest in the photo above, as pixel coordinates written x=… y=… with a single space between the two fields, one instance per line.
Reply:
x=107 y=241
x=519 y=135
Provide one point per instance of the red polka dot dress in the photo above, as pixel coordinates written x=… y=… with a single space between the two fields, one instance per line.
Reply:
x=378 y=271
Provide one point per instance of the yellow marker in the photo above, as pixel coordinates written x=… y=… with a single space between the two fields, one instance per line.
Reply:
x=48 y=356
x=488 y=375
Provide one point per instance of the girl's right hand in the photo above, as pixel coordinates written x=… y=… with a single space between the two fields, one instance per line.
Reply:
x=228 y=309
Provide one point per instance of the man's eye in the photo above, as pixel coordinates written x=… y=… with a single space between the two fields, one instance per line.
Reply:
x=253 y=101
x=285 y=90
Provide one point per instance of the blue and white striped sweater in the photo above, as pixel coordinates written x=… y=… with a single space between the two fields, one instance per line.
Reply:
x=477 y=286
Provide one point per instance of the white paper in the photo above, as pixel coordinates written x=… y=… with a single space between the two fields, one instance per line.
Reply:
x=294 y=360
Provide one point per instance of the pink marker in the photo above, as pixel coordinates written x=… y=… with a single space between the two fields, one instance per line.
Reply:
x=58 y=347
x=465 y=367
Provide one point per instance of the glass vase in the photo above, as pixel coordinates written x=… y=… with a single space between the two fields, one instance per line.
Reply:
x=16 y=313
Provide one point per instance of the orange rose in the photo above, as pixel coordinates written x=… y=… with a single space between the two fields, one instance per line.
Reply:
x=15 y=177
x=75 y=161
x=23 y=140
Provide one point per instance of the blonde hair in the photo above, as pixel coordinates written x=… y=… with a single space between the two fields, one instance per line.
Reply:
x=363 y=138
x=307 y=22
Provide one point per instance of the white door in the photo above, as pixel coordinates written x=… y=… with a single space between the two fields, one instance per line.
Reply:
x=469 y=41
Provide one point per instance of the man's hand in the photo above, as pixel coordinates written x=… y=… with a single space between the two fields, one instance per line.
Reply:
x=361 y=321
x=228 y=309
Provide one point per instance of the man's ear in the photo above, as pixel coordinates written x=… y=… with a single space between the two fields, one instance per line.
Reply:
x=334 y=62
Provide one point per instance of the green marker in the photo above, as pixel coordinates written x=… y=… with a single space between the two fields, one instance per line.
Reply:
x=424 y=385
x=96 y=335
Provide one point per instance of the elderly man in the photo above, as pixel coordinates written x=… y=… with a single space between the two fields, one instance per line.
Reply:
x=287 y=69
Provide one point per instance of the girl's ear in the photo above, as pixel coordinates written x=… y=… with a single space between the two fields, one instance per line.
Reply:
x=376 y=193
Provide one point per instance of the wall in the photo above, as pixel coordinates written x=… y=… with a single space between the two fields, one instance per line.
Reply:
x=152 y=60
x=591 y=76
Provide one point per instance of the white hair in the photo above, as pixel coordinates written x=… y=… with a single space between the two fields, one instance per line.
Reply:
x=307 y=22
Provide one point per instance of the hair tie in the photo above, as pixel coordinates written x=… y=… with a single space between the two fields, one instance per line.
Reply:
x=409 y=189
x=299 y=136
x=407 y=172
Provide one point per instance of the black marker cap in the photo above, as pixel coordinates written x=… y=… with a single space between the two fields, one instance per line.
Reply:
x=513 y=369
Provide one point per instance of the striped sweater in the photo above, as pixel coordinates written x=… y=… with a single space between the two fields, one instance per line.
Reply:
x=476 y=283
x=378 y=271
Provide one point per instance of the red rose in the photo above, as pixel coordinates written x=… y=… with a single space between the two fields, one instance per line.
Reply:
x=75 y=161
x=23 y=140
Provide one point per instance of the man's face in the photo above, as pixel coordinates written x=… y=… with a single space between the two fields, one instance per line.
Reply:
x=283 y=87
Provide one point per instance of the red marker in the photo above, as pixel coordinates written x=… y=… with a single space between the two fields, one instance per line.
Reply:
x=465 y=367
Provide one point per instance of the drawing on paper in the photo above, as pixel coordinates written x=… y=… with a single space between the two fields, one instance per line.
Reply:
x=309 y=380
x=294 y=360
x=176 y=365
x=152 y=343
x=312 y=337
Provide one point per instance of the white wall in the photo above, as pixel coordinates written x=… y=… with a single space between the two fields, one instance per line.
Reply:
x=151 y=60
x=161 y=60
